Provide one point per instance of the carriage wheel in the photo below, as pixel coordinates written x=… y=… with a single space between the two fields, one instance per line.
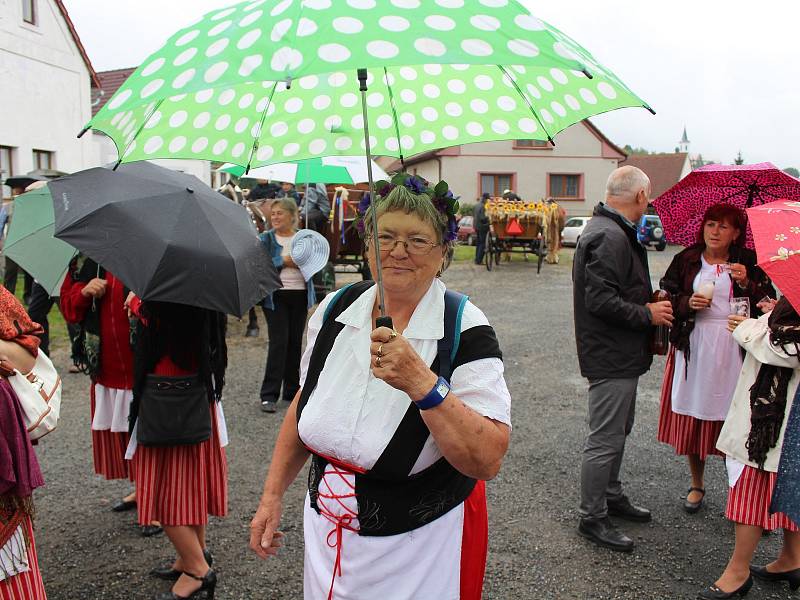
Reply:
x=498 y=251
x=487 y=251
x=325 y=281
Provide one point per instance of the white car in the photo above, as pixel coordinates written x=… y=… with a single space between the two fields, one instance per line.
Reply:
x=573 y=229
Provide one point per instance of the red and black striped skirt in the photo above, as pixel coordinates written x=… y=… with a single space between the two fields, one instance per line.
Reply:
x=182 y=485
x=688 y=435
x=27 y=585
x=749 y=500
x=108 y=450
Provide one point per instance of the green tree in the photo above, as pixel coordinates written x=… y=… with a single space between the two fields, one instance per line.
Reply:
x=792 y=171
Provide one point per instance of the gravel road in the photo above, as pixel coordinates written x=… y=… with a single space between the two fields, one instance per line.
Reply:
x=87 y=552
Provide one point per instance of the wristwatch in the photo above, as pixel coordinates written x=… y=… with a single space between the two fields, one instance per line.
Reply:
x=436 y=396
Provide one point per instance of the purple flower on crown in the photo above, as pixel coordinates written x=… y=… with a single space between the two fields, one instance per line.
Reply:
x=452 y=230
x=384 y=191
x=364 y=203
x=416 y=185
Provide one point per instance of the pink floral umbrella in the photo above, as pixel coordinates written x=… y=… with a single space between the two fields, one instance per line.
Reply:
x=682 y=207
x=776 y=230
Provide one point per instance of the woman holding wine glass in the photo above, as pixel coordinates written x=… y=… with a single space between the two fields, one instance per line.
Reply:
x=704 y=362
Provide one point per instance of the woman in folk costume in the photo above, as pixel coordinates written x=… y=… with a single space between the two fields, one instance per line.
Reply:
x=403 y=426
x=704 y=361
x=178 y=435
x=752 y=440
x=20 y=578
x=94 y=298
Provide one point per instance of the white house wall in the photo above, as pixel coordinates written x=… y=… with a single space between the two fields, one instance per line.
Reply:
x=577 y=151
x=45 y=96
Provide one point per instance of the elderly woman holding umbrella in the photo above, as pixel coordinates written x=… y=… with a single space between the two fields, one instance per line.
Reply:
x=704 y=361
x=402 y=429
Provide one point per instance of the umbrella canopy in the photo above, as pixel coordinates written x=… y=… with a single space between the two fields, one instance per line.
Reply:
x=328 y=169
x=30 y=177
x=30 y=242
x=682 y=207
x=166 y=235
x=260 y=83
x=776 y=231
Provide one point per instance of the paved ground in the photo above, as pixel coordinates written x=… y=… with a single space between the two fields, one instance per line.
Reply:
x=87 y=552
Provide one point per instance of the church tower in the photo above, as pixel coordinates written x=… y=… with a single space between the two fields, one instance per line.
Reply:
x=683 y=145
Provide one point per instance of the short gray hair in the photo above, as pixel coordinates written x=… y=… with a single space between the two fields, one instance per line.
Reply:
x=626 y=182
x=401 y=199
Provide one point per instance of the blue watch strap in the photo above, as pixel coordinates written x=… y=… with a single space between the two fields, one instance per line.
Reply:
x=436 y=396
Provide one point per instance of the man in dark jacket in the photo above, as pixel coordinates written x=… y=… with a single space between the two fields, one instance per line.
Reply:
x=481 y=224
x=613 y=319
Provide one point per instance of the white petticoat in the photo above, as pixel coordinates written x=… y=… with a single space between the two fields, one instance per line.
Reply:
x=111 y=408
x=14 y=556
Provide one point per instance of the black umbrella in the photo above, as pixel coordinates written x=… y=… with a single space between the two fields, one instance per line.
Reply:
x=166 y=235
x=23 y=181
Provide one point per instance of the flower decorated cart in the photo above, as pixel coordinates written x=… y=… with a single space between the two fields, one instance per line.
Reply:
x=517 y=226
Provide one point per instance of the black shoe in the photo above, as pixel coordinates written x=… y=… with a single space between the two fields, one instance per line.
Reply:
x=603 y=533
x=209 y=586
x=793 y=576
x=623 y=509
x=268 y=406
x=714 y=593
x=251 y=332
x=693 y=507
x=151 y=530
x=123 y=505
x=170 y=574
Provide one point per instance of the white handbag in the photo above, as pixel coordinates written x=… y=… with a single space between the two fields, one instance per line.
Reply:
x=39 y=394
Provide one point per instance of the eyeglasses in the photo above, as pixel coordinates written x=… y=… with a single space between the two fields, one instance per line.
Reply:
x=413 y=245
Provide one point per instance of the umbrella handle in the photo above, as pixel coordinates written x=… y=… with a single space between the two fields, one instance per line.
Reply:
x=384 y=321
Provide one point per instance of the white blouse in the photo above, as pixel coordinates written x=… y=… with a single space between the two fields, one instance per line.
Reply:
x=351 y=415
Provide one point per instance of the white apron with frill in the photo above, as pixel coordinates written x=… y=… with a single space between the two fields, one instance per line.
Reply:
x=704 y=389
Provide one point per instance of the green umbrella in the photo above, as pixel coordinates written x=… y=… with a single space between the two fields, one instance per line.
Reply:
x=30 y=242
x=275 y=80
x=327 y=169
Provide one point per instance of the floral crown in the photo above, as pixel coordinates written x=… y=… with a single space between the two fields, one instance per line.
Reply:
x=440 y=195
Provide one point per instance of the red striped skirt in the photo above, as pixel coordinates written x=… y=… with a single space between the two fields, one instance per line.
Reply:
x=27 y=585
x=749 y=500
x=108 y=450
x=182 y=485
x=688 y=435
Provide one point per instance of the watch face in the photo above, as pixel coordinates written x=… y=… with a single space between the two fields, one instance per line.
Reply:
x=442 y=390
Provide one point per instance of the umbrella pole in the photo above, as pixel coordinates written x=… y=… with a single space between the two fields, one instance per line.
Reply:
x=383 y=320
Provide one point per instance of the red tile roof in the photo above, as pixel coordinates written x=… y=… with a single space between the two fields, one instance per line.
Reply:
x=110 y=82
x=664 y=170
x=76 y=38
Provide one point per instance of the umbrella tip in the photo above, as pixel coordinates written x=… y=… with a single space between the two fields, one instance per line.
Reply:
x=82 y=131
x=652 y=112
x=190 y=190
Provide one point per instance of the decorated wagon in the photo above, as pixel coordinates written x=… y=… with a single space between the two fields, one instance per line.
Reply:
x=517 y=226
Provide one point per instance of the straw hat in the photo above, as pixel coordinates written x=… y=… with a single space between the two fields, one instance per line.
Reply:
x=310 y=252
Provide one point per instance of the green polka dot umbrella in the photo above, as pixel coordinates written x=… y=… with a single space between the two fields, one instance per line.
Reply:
x=275 y=80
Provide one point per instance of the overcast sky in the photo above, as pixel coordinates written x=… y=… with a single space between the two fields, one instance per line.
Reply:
x=726 y=69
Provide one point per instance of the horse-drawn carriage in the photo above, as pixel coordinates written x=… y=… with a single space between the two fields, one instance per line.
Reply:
x=516 y=226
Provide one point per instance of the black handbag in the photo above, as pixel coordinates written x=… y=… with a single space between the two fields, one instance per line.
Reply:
x=173 y=411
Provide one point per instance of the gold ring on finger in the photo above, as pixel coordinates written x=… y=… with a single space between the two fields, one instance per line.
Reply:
x=393 y=334
x=378 y=361
x=380 y=350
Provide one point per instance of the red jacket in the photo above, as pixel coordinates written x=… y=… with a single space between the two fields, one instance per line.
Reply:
x=116 y=357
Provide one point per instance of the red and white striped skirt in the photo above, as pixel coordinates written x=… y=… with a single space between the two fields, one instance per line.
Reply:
x=688 y=435
x=182 y=485
x=27 y=585
x=108 y=450
x=749 y=499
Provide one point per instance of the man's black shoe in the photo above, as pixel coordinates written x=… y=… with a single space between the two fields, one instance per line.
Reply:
x=623 y=509
x=603 y=533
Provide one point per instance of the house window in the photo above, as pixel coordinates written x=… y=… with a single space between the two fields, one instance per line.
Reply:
x=531 y=144
x=43 y=159
x=29 y=11
x=494 y=184
x=565 y=186
x=6 y=170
